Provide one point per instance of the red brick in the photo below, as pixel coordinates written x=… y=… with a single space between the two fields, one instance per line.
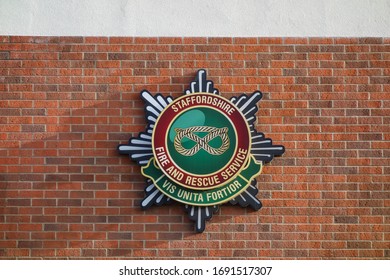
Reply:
x=67 y=102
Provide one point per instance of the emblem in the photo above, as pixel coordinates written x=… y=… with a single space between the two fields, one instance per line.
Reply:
x=201 y=150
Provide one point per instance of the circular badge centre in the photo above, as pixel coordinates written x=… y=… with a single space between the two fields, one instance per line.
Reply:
x=201 y=141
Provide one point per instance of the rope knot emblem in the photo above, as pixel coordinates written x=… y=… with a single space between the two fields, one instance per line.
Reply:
x=201 y=142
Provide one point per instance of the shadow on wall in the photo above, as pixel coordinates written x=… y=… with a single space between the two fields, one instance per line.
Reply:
x=66 y=192
x=67 y=102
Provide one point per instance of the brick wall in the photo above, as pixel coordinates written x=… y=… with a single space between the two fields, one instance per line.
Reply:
x=67 y=102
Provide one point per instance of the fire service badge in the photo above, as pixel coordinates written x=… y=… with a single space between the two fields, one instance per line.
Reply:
x=201 y=150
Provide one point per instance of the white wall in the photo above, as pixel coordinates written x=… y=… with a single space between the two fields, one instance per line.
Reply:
x=244 y=18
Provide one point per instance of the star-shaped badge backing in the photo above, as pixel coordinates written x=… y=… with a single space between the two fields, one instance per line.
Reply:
x=140 y=149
